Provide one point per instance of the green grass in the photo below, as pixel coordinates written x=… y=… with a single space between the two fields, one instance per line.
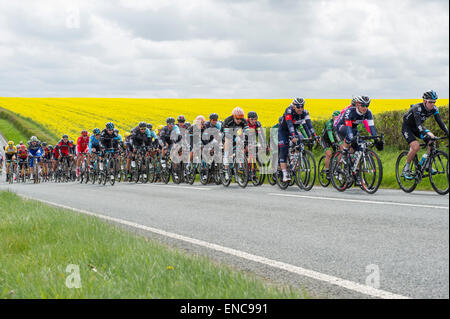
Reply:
x=10 y=132
x=27 y=127
x=38 y=242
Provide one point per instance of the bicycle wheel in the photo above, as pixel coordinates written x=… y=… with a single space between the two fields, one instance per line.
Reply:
x=151 y=170
x=407 y=185
x=371 y=172
x=111 y=171
x=324 y=178
x=301 y=170
x=241 y=177
x=226 y=174
x=339 y=172
x=216 y=174
x=438 y=172
x=204 y=174
x=311 y=166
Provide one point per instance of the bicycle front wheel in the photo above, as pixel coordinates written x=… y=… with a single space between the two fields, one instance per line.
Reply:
x=438 y=172
x=407 y=185
x=371 y=171
x=322 y=174
x=339 y=172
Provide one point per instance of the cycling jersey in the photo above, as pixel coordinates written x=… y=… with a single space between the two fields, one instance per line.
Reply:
x=83 y=144
x=139 y=138
x=416 y=116
x=230 y=123
x=63 y=148
x=22 y=153
x=93 y=143
x=329 y=135
x=10 y=150
x=211 y=131
x=108 y=140
x=348 y=121
x=168 y=137
x=291 y=121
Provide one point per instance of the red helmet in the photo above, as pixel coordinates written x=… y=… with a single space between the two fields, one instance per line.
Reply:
x=84 y=132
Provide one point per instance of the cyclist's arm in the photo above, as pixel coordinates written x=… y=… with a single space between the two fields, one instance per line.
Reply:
x=309 y=126
x=441 y=123
x=329 y=128
x=369 y=124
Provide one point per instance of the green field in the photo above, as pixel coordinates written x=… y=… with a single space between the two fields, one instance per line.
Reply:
x=39 y=242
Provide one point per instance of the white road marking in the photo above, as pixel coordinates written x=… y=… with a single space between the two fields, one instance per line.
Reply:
x=354 y=286
x=359 y=201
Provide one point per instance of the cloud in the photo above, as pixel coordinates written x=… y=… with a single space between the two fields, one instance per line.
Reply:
x=224 y=49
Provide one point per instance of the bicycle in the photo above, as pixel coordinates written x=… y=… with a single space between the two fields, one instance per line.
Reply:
x=435 y=167
x=322 y=174
x=107 y=167
x=238 y=169
x=301 y=166
x=36 y=169
x=364 y=169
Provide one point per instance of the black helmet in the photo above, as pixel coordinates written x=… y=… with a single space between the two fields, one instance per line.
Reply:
x=44 y=144
x=143 y=124
x=299 y=102
x=149 y=126
x=65 y=136
x=213 y=116
x=364 y=100
x=252 y=115
x=110 y=126
x=170 y=120
x=181 y=118
x=96 y=131
x=116 y=130
x=187 y=124
x=430 y=95
x=50 y=147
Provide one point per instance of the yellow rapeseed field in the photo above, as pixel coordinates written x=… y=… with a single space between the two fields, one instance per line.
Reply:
x=70 y=115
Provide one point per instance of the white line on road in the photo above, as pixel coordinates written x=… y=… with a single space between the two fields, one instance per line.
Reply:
x=178 y=186
x=358 y=201
x=364 y=289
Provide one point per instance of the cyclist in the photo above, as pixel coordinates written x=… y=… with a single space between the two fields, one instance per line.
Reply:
x=170 y=135
x=139 y=138
x=108 y=138
x=22 y=156
x=288 y=130
x=412 y=127
x=330 y=140
x=196 y=142
x=82 y=148
x=34 y=150
x=94 y=145
x=236 y=121
x=255 y=128
x=63 y=151
x=119 y=137
x=347 y=124
x=181 y=122
x=10 y=155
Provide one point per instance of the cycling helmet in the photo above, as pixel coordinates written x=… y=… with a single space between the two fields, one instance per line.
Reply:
x=213 y=116
x=364 y=100
x=50 y=147
x=181 y=119
x=252 y=115
x=170 y=120
x=44 y=144
x=110 y=126
x=33 y=139
x=200 y=119
x=96 y=131
x=71 y=142
x=23 y=146
x=150 y=126
x=187 y=124
x=238 y=113
x=10 y=143
x=298 y=102
x=336 y=113
x=65 y=136
x=142 y=124
x=84 y=132
x=430 y=95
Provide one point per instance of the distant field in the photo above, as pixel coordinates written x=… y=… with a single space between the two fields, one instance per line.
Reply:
x=70 y=115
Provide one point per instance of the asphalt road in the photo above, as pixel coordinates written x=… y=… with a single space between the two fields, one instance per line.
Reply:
x=402 y=239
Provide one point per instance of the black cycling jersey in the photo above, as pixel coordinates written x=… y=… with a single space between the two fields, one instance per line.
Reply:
x=290 y=121
x=418 y=113
x=108 y=140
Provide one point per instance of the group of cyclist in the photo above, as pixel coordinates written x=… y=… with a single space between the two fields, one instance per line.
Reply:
x=293 y=126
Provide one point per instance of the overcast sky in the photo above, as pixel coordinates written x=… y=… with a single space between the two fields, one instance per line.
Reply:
x=224 y=49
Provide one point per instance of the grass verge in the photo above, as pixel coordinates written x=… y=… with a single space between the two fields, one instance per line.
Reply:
x=27 y=127
x=39 y=242
x=10 y=132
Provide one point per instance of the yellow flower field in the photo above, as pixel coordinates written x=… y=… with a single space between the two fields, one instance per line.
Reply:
x=70 y=115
